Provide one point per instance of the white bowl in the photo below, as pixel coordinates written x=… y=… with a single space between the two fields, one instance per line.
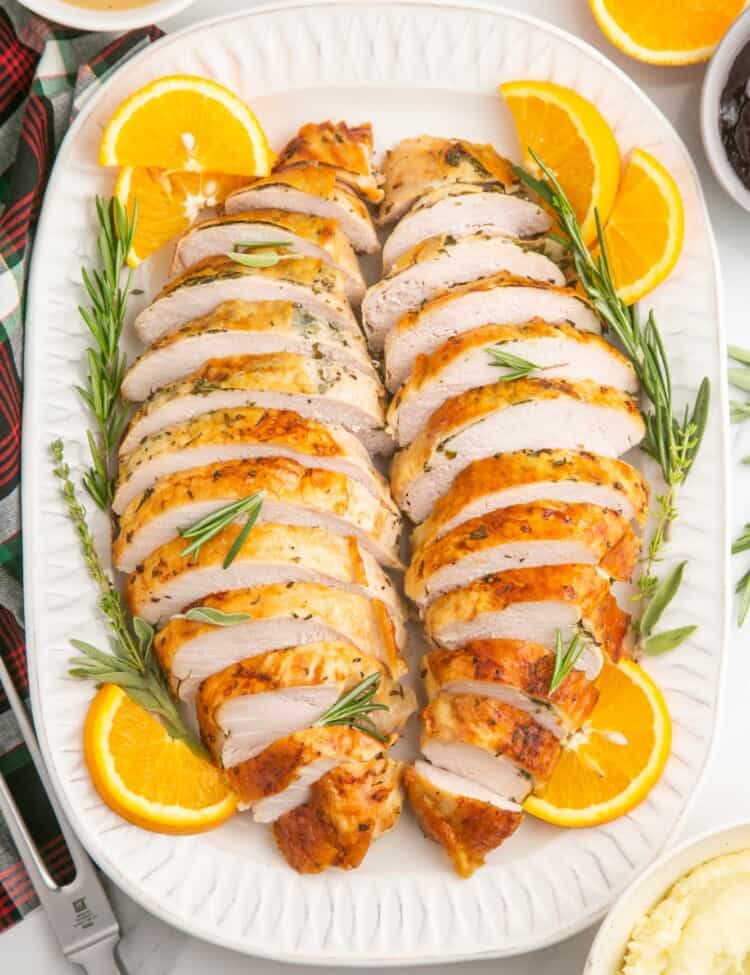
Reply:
x=106 y=20
x=609 y=946
x=713 y=84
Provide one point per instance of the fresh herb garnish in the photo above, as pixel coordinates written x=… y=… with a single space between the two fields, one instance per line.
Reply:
x=131 y=662
x=742 y=544
x=739 y=377
x=565 y=659
x=266 y=258
x=354 y=707
x=104 y=319
x=672 y=440
x=216 y=617
x=661 y=597
x=205 y=528
x=519 y=367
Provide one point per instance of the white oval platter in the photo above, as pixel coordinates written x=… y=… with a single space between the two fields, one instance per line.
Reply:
x=409 y=68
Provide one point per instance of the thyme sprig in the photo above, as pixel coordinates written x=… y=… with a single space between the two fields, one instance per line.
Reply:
x=205 y=528
x=519 y=367
x=108 y=291
x=672 y=439
x=130 y=663
x=354 y=707
x=565 y=659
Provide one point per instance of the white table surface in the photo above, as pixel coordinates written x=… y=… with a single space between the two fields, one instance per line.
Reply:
x=150 y=947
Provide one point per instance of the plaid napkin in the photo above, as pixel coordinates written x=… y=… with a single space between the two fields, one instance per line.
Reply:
x=46 y=73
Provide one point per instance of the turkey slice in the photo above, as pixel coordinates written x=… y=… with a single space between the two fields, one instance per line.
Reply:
x=498 y=298
x=443 y=262
x=302 y=233
x=345 y=150
x=168 y=581
x=316 y=287
x=523 y=536
x=490 y=742
x=241 y=434
x=470 y=359
x=466 y=819
x=527 y=414
x=519 y=673
x=316 y=388
x=349 y=808
x=534 y=604
x=462 y=210
x=527 y=476
x=422 y=163
x=279 y=615
x=314 y=190
x=246 y=707
x=292 y=494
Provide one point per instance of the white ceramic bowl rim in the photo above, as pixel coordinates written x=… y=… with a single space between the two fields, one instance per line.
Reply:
x=106 y=20
x=651 y=887
x=717 y=73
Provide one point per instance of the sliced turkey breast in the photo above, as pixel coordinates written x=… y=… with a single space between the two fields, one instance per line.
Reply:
x=314 y=190
x=346 y=150
x=244 y=328
x=466 y=819
x=461 y=210
x=166 y=582
x=498 y=298
x=422 y=163
x=489 y=742
x=241 y=434
x=280 y=777
x=527 y=414
x=523 y=536
x=317 y=388
x=246 y=707
x=292 y=494
x=443 y=262
x=526 y=476
x=279 y=615
x=467 y=360
x=317 y=237
x=519 y=673
x=316 y=287
x=533 y=604
x=348 y=809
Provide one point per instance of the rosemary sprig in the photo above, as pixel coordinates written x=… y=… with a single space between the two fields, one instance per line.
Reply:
x=672 y=440
x=565 y=659
x=130 y=663
x=354 y=707
x=104 y=319
x=205 y=528
x=739 y=377
x=519 y=367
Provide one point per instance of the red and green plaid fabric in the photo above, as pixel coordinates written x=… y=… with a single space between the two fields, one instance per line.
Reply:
x=46 y=73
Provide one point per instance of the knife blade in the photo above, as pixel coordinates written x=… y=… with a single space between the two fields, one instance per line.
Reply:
x=79 y=913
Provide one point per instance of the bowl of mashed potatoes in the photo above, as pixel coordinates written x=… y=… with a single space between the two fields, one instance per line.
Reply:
x=688 y=914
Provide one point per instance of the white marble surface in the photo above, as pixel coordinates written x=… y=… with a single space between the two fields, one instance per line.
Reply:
x=151 y=948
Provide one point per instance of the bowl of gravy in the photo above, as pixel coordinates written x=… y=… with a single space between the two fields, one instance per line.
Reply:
x=725 y=111
x=106 y=15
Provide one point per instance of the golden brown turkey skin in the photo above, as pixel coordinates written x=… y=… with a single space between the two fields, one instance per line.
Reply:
x=467 y=828
x=349 y=807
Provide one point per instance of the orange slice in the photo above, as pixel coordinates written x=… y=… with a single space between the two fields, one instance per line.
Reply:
x=149 y=778
x=186 y=123
x=611 y=765
x=168 y=203
x=645 y=231
x=666 y=31
x=571 y=137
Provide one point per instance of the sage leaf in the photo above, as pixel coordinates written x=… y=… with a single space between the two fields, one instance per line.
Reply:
x=206 y=614
x=662 y=597
x=668 y=640
x=739 y=378
x=743 y=590
x=739 y=354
